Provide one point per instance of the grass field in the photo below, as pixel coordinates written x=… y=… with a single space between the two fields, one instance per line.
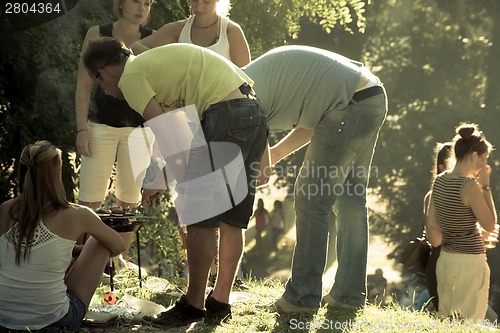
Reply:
x=249 y=318
x=269 y=270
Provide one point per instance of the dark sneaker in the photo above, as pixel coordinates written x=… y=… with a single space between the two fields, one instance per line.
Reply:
x=181 y=314
x=217 y=312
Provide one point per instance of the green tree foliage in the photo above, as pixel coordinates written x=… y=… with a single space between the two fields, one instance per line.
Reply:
x=438 y=62
x=39 y=71
x=433 y=60
x=437 y=59
x=271 y=23
x=35 y=93
x=39 y=67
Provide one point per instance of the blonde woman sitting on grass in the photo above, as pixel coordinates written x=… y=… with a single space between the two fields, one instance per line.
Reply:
x=40 y=286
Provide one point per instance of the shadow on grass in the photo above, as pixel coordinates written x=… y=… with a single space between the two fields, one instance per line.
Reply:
x=263 y=260
x=338 y=320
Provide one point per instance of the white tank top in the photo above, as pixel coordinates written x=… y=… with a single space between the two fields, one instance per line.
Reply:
x=221 y=46
x=33 y=294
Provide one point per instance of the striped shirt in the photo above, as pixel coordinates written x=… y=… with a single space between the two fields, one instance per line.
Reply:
x=458 y=222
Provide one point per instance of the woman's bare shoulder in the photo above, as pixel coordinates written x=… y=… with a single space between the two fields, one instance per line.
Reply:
x=79 y=211
x=6 y=204
x=5 y=220
x=174 y=26
x=180 y=23
x=470 y=184
x=93 y=31
x=5 y=207
x=470 y=191
x=232 y=26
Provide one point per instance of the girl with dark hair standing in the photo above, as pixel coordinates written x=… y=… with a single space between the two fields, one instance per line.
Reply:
x=444 y=161
x=461 y=209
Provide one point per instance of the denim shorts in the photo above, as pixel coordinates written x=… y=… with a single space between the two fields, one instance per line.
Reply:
x=242 y=123
x=71 y=322
x=73 y=319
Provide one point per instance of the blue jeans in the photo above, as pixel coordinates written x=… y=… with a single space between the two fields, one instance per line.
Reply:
x=335 y=174
x=72 y=321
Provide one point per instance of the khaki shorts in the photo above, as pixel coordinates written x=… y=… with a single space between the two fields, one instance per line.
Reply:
x=110 y=145
x=463 y=282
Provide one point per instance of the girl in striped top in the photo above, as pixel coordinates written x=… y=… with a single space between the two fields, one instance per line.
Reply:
x=460 y=212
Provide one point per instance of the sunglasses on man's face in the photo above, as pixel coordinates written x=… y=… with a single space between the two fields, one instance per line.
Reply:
x=117 y=58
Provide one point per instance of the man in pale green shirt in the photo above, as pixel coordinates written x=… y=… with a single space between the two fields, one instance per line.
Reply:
x=336 y=106
x=177 y=75
x=174 y=76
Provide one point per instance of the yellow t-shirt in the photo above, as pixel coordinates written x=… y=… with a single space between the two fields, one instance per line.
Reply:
x=178 y=75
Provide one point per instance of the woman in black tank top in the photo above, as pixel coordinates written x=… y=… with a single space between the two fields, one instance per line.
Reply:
x=103 y=122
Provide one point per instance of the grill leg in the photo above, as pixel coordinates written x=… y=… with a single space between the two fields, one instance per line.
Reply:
x=111 y=273
x=139 y=256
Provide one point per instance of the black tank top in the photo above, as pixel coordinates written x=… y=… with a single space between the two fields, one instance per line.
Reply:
x=109 y=110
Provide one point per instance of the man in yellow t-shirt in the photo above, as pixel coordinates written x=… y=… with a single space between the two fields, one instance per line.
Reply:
x=167 y=78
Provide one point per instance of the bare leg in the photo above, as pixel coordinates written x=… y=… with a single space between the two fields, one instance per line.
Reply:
x=215 y=263
x=201 y=249
x=230 y=251
x=128 y=237
x=126 y=205
x=93 y=205
x=85 y=273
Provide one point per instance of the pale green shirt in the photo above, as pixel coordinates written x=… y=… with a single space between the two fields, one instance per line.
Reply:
x=178 y=75
x=298 y=85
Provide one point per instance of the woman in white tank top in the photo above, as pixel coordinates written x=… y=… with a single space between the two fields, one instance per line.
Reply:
x=42 y=218
x=208 y=26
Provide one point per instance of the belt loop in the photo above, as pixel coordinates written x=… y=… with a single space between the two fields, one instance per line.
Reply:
x=228 y=106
